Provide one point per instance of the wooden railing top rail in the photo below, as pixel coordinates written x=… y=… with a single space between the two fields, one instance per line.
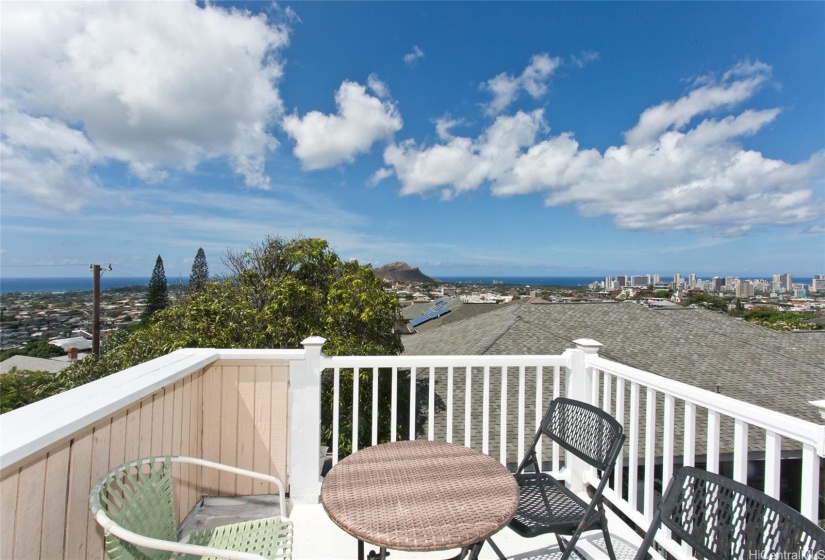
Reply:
x=31 y=428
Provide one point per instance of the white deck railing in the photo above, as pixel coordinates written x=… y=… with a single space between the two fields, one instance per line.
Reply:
x=489 y=401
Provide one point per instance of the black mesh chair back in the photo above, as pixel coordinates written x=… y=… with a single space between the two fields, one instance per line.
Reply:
x=587 y=431
x=723 y=519
x=546 y=505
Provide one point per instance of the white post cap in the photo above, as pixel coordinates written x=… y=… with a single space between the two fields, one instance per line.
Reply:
x=588 y=345
x=820 y=405
x=314 y=341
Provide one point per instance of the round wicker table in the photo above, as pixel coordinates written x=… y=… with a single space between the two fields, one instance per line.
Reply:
x=420 y=496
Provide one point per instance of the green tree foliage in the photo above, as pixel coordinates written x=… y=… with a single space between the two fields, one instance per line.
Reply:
x=200 y=272
x=279 y=293
x=708 y=301
x=781 y=320
x=157 y=297
x=19 y=388
x=35 y=349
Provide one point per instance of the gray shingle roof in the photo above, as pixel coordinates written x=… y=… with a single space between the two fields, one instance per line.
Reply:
x=777 y=370
x=28 y=363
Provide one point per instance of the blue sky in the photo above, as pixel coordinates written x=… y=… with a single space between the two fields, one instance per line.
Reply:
x=496 y=138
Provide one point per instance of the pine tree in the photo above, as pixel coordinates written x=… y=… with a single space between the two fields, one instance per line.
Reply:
x=157 y=297
x=200 y=272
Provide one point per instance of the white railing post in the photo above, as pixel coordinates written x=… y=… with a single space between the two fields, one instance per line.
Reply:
x=821 y=406
x=580 y=387
x=581 y=379
x=305 y=423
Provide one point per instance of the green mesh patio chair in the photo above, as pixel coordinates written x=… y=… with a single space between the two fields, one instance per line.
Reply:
x=134 y=503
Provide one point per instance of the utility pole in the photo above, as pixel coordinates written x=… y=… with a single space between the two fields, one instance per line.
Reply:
x=96 y=268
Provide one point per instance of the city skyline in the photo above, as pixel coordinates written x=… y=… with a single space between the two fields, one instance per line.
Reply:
x=534 y=139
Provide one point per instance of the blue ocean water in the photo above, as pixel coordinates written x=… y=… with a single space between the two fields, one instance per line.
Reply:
x=72 y=284
x=523 y=280
x=84 y=284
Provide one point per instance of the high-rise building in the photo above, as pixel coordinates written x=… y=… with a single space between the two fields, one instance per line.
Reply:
x=744 y=290
x=621 y=282
x=718 y=283
x=818 y=285
x=692 y=281
x=786 y=280
x=677 y=281
x=656 y=279
x=608 y=283
x=640 y=281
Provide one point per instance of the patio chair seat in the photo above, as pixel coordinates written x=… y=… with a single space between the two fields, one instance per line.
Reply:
x=546 y=506
x=270 y=537
x=134 y=503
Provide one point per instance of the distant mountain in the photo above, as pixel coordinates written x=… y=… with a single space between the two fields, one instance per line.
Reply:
x=402 y=272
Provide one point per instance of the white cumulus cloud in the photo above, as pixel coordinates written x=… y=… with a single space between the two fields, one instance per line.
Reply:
x=683 y=166
x=362 y=119
x=156 y=89
x=737 y=85
x=414 y=56
x=506 y=88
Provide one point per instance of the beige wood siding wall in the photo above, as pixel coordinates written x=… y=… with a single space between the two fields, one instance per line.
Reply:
x=232 y=412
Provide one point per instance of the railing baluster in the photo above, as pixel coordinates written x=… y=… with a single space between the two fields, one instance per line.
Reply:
x=356 y=396
x=618 y=470
x=650 y=453
x=413 y=403
x=607 y=395
x=810 y=478
x=740 y=451
x=594 y=385
x=375 y=406
x=773 y=454
x=468 y=402
x=502 y=452
x=485 y=413
x=713 y=441
x=633 y=458
x=431 y=411
x=522 y=374
x=667 y=447
x=556 y=393
x=450 y=404
x=689 y=453
x=539 y=414
x=394 y=405
x=667 y=438
x=336 y=412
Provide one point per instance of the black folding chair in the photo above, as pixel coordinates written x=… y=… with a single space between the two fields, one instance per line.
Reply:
x=723 y=519
x=546 y=505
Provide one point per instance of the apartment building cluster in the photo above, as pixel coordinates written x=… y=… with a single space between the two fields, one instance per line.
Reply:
x=782 y=285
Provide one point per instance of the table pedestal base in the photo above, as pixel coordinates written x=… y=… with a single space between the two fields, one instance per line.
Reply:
x=470 y=552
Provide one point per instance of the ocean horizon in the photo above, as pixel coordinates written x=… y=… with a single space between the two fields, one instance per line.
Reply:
x=84 y=283
x=68 y=284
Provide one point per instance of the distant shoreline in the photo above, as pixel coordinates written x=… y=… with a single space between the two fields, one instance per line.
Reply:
x=68 y=284
x=84 y=284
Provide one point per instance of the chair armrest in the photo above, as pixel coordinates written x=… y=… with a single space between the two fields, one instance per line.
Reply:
x=243 y=472
x=172 y=546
